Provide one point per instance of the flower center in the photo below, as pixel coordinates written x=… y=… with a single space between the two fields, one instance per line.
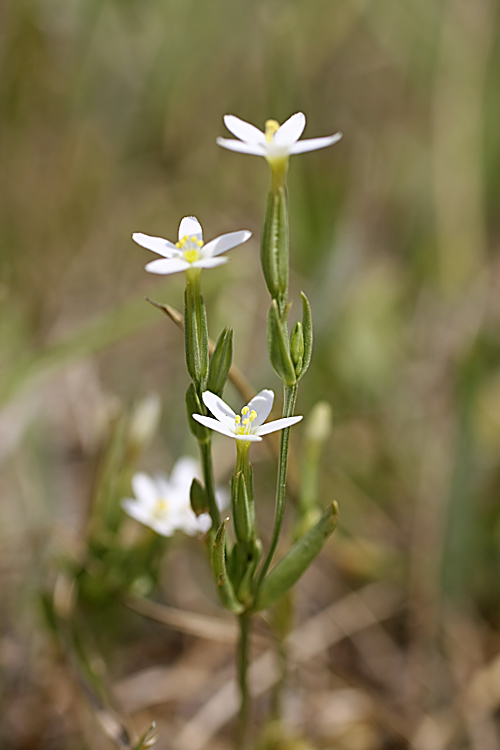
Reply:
x=271 y=127
x=161 y=507
x=243 y=424
x=189 y=246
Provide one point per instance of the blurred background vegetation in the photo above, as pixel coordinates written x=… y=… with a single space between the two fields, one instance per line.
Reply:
x=109 y=110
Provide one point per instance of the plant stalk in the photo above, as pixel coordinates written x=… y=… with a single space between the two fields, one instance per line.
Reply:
x=290 y=397
x=243 y=661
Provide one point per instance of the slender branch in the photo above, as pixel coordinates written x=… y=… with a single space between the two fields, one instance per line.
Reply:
x=290 y=396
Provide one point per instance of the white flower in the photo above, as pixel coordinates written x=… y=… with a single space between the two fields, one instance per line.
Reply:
x=189 y=251
x=163 y=503
x=277 y=142
x=249 y=425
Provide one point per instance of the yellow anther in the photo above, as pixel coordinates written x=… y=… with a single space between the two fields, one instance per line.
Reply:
x=191 y=255
x=253 y=415
x=178 y=244
x=245 y=410
x=200 y=243
x=246 y=421
x=185 y=238
x=271 y=127
x=193 y=238
x=237 y=419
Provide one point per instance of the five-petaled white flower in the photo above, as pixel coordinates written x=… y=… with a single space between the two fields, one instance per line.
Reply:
x=249 y=425
x=189 y=251
x=163 y=503
x=277 y=142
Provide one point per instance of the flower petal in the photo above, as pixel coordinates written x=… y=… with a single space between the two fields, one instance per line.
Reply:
x=252 y=438
x=208 y=262
x=219 y=408
x=191 y=227
x=291 y=130
x=145 y=489
x=162 y=526
x=222 y=497
x=278 y=424
x=244 y=130
x=168 y=265
x=311 y=144
x=183 y=472
x=156 y=244
x=226 y=242
x=244 y=148
x=262 y=403
x=214 y=424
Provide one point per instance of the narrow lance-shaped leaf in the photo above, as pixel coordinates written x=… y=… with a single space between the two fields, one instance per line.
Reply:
x=223 y=583
x=220 y=362
x=278 y=347
x=290 y=568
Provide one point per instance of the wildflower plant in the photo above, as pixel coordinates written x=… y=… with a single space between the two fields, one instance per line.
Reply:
x=244 y=575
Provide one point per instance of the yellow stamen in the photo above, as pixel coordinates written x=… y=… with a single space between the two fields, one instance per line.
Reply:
x=191 y=255
x=246 y=421
x=178 y=244
x=253 y=415
x=271 y=127
x=245 y=410
x=237 y=419
x=200 y=243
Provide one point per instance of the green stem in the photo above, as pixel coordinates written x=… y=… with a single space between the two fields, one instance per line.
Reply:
x=208 y=479
x=243 y=662
x=290 y=396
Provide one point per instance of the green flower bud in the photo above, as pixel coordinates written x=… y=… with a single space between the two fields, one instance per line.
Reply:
x=274 y=246
x=194 y=406
x=242 y=505
x=224 y=586
x=220 y=362
x=196 y=334
x=278 y=347
x=297 y=348
x=198 y=498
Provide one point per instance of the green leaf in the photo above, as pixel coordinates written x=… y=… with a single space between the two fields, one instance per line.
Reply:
x=220 y=362
x=290 y=568
x=277 y=345
x=223 y=583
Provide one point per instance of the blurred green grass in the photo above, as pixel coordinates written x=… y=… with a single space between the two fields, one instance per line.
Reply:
x=109 y=110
